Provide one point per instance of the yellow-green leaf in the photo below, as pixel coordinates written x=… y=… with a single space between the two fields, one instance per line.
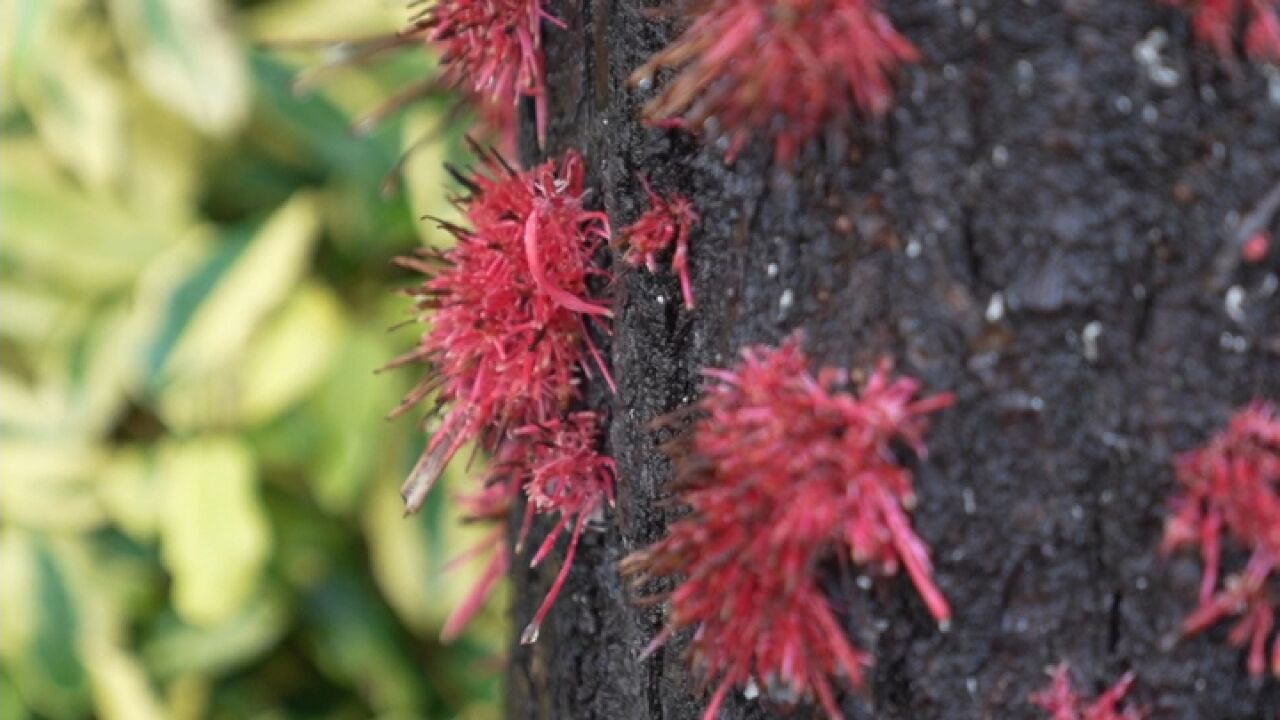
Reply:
x=214 y=533
x=17 y=593
x=349 y=409
x=85 y=243
x=186 y=55
x=425 y=179
x=291 y=353
x=47 y=484
x=120 y=687
x=72 y=98
x=129 y=491
x=257 y=279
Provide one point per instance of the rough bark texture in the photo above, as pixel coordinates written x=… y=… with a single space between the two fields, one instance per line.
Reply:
x=1035 y=164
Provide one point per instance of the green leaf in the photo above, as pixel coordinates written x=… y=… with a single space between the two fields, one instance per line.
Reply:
x=11 y=705
x=176 y=648
x=356 y=443
x=40 y=607
x=214 y=533
x=187 y=57
x=356 y=641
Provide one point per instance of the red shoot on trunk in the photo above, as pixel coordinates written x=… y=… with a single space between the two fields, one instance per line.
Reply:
x=568 y=477
x=493 y=50
x=1216 y=23
x=668 y=221
x=1231 y=491
x=1061 y=702
x=781 y=69
x=507 y=339
x=785 y=470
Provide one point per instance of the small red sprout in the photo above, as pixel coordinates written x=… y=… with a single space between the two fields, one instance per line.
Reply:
x=1231 y=488
x=566 y=476
x=667 y=221
x=779 y=68
x=1061 y=702
x=785 y=470
x=493 y=49
x=1215 y=23
x=1257 y=247
x=507 y=336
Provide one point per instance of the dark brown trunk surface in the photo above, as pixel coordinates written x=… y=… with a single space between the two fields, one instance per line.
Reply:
x=1033 y=162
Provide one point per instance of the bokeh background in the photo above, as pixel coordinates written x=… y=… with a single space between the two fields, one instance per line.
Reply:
x=198 y=488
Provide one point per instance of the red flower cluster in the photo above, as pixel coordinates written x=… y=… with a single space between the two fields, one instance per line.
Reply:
x=493 y=49
x=1215 y=23
x=780 y=68
x=1062 y=703
x=567 y=476
x=1231 y=486
x=666 y=221
x=785 y=470
x=507 y=345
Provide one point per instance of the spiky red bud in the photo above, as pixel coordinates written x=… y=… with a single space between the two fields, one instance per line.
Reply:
x=1231 y=491
x=668 y=221
x=782 y=69
x=507 y=345
x=785 y=469
x=507 y=340
x=493 y=49
x=1061 y=701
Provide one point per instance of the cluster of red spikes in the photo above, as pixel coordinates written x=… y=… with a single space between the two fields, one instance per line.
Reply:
x=492 y=50
x=778 y=69
x=1231 y=491
x=508 y=344
x=667 y=222
x=1217 y=22
x=1061 y=701
x=784 y=471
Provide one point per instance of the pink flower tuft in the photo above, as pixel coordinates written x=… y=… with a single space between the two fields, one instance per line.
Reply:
x=1215 y=23
x=779 y=68
x=567 y=476
x=1231 y=488
x=507 y=337
x=667 y=221
x=1061 y=702
x=507 y=345
x=783 y=471
x=493 y=49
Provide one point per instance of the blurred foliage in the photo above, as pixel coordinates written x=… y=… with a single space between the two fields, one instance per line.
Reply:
x=199 y=506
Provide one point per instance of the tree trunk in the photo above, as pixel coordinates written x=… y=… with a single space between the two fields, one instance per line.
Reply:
x=1047 y=225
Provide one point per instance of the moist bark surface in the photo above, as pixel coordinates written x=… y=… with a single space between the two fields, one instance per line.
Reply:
x=1048 y=225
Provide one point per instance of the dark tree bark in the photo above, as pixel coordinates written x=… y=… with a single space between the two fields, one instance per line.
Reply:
x=1047 y=225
